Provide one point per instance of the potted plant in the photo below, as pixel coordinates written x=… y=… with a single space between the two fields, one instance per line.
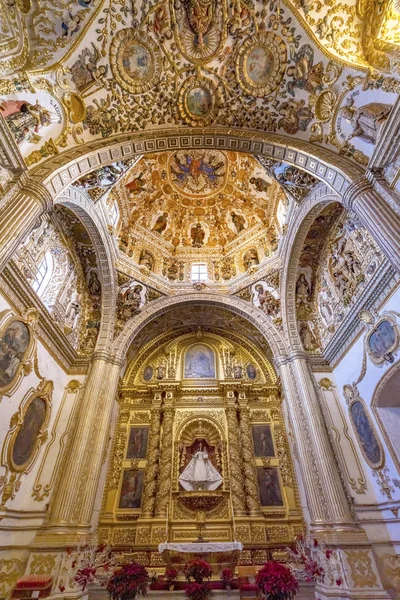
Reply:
x=227 y=577
x=128 y=582
x=276 y=582
x=170 y=576
x=197 y=570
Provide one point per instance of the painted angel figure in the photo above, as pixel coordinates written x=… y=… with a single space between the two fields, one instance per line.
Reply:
x=200 y=474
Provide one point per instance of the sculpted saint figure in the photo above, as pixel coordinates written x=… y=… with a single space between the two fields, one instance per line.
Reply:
x=366 y=120
x=161 y=224
x=200 y=474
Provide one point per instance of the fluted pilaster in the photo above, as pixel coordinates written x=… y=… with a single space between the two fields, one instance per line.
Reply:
x=377 y=216
x=165 y=463
x=235 y=463
x=150 y=485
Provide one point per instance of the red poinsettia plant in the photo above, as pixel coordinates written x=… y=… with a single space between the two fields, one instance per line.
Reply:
x=128 y=582
x=170 y=576
x=276 y=581
x=197 y=570
x=197 y=591
x=227 y=576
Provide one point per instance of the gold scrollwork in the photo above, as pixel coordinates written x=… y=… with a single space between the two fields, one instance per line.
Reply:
x=140 y=79
x=261 y=63
x=360 y=563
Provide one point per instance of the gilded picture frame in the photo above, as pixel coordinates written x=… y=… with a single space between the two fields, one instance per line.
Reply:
x=130 y=490
x=198 y=101
x=383 y=340
x=17 y=347
x=366 y=433
x=261 y=64
x=138 y=53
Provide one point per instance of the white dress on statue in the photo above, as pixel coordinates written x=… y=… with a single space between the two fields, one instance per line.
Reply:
x=200 y=474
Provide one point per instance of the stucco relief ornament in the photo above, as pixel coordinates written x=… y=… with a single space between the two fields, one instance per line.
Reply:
x=261 y=64
x=135 y=61
x=382 y=340
x=198 y=101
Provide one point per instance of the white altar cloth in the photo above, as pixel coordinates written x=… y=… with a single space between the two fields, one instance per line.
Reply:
x=201 y=547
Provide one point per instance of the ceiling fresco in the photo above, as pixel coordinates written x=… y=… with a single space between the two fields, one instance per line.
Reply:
x=250 y=65
x=197 y=198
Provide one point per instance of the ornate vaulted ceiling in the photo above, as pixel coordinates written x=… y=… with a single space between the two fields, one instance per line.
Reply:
x=94 y=70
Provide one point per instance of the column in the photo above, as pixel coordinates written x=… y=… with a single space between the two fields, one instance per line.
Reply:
x=249 y=470
x=331 y=517
x=19 y=214
x=165 y=462
x=71 y=507
x=235 y=459
x=150 y=484
x=377 y=217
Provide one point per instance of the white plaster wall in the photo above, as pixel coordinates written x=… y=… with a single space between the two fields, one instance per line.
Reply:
x=23 y=515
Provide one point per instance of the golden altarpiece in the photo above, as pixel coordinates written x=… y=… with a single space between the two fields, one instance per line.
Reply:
x=200 y=391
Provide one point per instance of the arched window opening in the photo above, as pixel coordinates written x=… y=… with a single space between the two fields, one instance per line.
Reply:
x=44 y=273
x=114 y=214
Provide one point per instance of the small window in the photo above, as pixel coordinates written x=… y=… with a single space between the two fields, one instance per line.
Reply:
x=44 y=273
x=114 y=214
x=199 y=272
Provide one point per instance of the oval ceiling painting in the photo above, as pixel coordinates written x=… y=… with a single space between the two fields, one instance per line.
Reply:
x=261 y=64
x=198 y=101
x=135 y=61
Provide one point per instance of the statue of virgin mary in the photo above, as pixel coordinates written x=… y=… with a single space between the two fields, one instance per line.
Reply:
x=200 y=474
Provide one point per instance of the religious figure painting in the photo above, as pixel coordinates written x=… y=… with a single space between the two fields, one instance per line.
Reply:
x=251 y=371
x=199 y=101
x=132 y=487
x=198 y=172
x=137 y=445
x=365 y=433
x=260 y=64
x=269 y=486
x=199 y=362
x=148 y=373
x=382 y=340
x=25 y=442
x=136 y=61
x=13 y=346
x=262 y=441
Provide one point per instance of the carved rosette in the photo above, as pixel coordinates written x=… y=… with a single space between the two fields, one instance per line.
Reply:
x=164 y=469
x=250 y=475
x=236 y=477
x=149 y=492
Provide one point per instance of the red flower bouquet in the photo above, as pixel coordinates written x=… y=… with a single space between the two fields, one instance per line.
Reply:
x=170 y=576
x=277 y=582
x=227 y=576
x=128 y=582
x=197 y=570
x=197 y=591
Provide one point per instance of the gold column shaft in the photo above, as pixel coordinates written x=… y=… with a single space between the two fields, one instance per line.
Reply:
x=235 y=463
x=250 y=474
x=165 y=463
x=150 y=485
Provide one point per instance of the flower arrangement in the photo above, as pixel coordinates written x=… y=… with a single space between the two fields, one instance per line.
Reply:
x=170 y=576
x=197 y=570
x=128 y=582
x=88 y=564
x=197 y=591
x=276 y=581
x=227 y=576
x=312 y=561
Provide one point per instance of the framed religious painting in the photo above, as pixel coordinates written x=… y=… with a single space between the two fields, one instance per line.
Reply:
x=148 y=373
x=269 y=486
x=137 y=443
x=366 y=434
x=261 y=63
x=199 y=362
x=135 y=61
x=262 y=441
x=16 y=349
x=131 y=489
x=198 y=101
x=383 y=340
x=28 y=432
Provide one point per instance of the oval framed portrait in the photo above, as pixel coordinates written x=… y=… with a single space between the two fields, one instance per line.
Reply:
x=366 y=435
x=148 y=373
x=383 y=340
x=198 y=101
x=261 y=64
x=251 y=371
x=135 y=61
x=16 y=343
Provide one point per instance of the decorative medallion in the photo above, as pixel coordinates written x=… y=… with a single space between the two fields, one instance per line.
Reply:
x=148 y=373
x=200 y=28
x=261 y=64
x=198 y=101
x=75 y=106
x=198 y=172
x=135 y=61
x=383 y=340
